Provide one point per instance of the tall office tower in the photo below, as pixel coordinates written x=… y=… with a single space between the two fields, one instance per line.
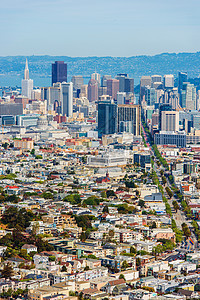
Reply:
x=113 y=88
x=188 y=96
x=144 y=81
x=121 y=78
x=156 y=78
x=129 y=116
x=170 y=121
x=198 y=100
x=163 y=107
x=67 y=98
x=26 y=71
x=196 y=121
x=168 y=81
x=121 y=98
x=174 y=101
x=104 y=80
x=53 y=96
x=102 y=90
x=77 y=82
x=84 y=91
x=93 y=87
x=170 y=96
x=59 y=72
x=182 y=77
x=150 y=95
x=107 y=117
x=155 y=120
x=129 y=85
x=27 y=84
x=97 y=77
x=159 y=93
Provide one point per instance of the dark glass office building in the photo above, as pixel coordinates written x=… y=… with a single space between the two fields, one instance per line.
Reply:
x=59 y=72
x=107 y=118
x=129 y=85
x=182 y=77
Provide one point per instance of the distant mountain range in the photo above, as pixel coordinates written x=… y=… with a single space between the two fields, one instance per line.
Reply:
x=135 y=66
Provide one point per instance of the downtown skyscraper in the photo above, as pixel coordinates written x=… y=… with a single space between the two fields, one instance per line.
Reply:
x=59 y=72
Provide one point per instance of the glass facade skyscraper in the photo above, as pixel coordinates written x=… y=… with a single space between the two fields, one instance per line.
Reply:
x=107 y=118
x=182 y=77
x=59 y=72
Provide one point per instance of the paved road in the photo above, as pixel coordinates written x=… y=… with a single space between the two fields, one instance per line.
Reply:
x=175 y=256
x=180 y=216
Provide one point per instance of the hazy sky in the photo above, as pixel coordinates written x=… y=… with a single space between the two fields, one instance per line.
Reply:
x=101 y=28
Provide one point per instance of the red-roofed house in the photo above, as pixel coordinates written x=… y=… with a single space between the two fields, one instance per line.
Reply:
x=12 y=190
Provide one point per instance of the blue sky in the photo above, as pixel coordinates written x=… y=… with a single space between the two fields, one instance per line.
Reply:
x=99 y=28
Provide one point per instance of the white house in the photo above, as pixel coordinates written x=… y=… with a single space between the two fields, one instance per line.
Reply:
x=29 y=248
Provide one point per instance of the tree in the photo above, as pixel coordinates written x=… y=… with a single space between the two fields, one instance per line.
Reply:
x=80 y=296
x=84 y=159
x=110 y=193
x=153 y=225
x=169 y=192
x=7 y=271
x=12 y=198
x=52 y=258
x=32 y=152
x=121 y=276
x=103 y=194
x=157 y=250
x=138 y=261
x=105 y=209
x=175 y=205
x=186 y=230
x=141 y=203
x=125 y=209
x=73 y=199
x=133 y=250
x=148 y=288
x=23 y=253
x=82 y=236
x=92 y=200
x=35 y=228
x=7 y=294
x=5 y=145
x=92 y=256
x=13 y=217
x=47 y=195
x=17 y=293
x=164 y=180
x=125 y=265
x=111 y=233
x=84 y=221
x=130 y=184
x=64 y=269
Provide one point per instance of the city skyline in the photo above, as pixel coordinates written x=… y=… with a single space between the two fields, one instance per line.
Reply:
x=115 y=28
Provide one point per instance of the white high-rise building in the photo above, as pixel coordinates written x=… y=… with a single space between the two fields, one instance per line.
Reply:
x=188 y=96
x=27 y=84
x=170 y=121
x=67 y=98
x=121 y=97
x=168 y=81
